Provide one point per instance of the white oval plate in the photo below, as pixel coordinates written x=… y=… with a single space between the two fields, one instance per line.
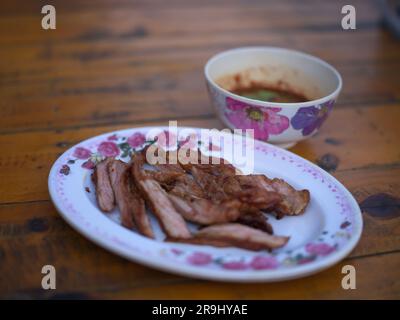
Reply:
x=326 y=233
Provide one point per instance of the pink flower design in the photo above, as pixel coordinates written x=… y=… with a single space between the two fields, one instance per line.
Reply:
x=321 y=249
x=264 y=121
x=263 y=262
x=136 y=140
x=235 y=265
x=199 y=259
x=88 y=164
x=112 y=137
x=82 y=153
x=108 y=149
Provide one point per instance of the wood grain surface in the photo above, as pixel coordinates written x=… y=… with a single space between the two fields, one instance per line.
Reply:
x=118 y=64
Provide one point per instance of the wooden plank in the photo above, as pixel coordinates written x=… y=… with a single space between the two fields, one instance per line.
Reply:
x=33 y=234
x=89 y=61
x=82 y=274
x=326 y=45
x=192 y=17
x=358 y=137
x=97 y=98
x=93 y=62
x=223 y=16
x=383 y=284
x=380 y=234
x=114 y=86
x=152 y=48
x=112 y=71
x=38 y=236
x=44 y=86
x=76 y=6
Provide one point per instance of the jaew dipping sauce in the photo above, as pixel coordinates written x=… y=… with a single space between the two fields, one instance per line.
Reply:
x=266 y=84
x=283 y=95
x=270 y=94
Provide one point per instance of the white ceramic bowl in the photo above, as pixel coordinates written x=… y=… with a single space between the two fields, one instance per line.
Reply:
x=282 y=124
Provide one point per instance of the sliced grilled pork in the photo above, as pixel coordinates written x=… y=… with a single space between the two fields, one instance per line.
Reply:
x=130 y=203
x=104 y=191
x=293 y=202
x=236 y=235
x=255 y=219
x=205 y=212
x=157 y=199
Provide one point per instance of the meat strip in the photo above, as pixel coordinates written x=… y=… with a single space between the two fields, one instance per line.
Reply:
x=208 y=184
x=256 y=220
x=205 y=212
x=229 y=187
x=174 y=179
x=157 y=199
x=179 y=184
x=293 y=202
x=212 y=165
x=236 y=235
x=163 y=178
x=185 y=187
x=129 y=201
x=260 y=199
x=104 y=191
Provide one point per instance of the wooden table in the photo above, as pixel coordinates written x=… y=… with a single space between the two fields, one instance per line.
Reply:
x=119 y=64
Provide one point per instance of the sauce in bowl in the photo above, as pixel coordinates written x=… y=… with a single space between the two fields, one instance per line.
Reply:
x=270 y=94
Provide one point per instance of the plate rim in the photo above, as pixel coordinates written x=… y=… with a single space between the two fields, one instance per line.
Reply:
x=187 y=270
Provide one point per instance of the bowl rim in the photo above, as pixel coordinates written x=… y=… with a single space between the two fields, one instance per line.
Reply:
x=318 y=101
